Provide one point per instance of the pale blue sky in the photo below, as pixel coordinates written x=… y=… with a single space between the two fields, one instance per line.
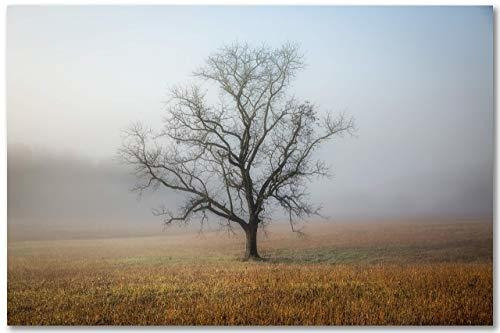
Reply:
x=418 y=80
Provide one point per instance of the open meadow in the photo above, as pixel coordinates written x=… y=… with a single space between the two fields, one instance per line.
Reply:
x=409 y=273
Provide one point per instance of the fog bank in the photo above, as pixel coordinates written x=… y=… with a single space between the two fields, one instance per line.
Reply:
x=417 y=80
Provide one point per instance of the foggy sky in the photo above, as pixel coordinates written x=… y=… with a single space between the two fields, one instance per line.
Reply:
x=418 y=80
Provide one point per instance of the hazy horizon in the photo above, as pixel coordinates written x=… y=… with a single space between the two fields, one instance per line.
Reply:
x=417 y=80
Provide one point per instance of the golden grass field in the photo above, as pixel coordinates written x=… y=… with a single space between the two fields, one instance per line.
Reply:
x=413 y=273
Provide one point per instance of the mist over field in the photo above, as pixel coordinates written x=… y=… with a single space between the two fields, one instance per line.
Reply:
x=421 y=96
x=57 y=195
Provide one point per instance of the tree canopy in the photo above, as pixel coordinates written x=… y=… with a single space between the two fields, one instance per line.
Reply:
x=243 y=155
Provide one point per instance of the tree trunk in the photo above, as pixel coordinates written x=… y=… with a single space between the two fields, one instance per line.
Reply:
x=251 y=249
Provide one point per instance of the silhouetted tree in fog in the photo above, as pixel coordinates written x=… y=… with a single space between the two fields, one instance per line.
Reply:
x=239 y=157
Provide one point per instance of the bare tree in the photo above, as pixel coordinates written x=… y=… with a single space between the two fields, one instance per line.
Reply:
x=242 y=155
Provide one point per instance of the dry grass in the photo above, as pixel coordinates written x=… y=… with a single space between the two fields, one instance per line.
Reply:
x=382 y=274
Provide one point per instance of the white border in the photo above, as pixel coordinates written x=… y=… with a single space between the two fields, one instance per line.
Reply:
x=250 y=2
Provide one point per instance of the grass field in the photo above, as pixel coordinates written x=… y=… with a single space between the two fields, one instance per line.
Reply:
x=359 y=274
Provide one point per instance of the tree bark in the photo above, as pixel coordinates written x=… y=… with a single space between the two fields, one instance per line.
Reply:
x=251 y=248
